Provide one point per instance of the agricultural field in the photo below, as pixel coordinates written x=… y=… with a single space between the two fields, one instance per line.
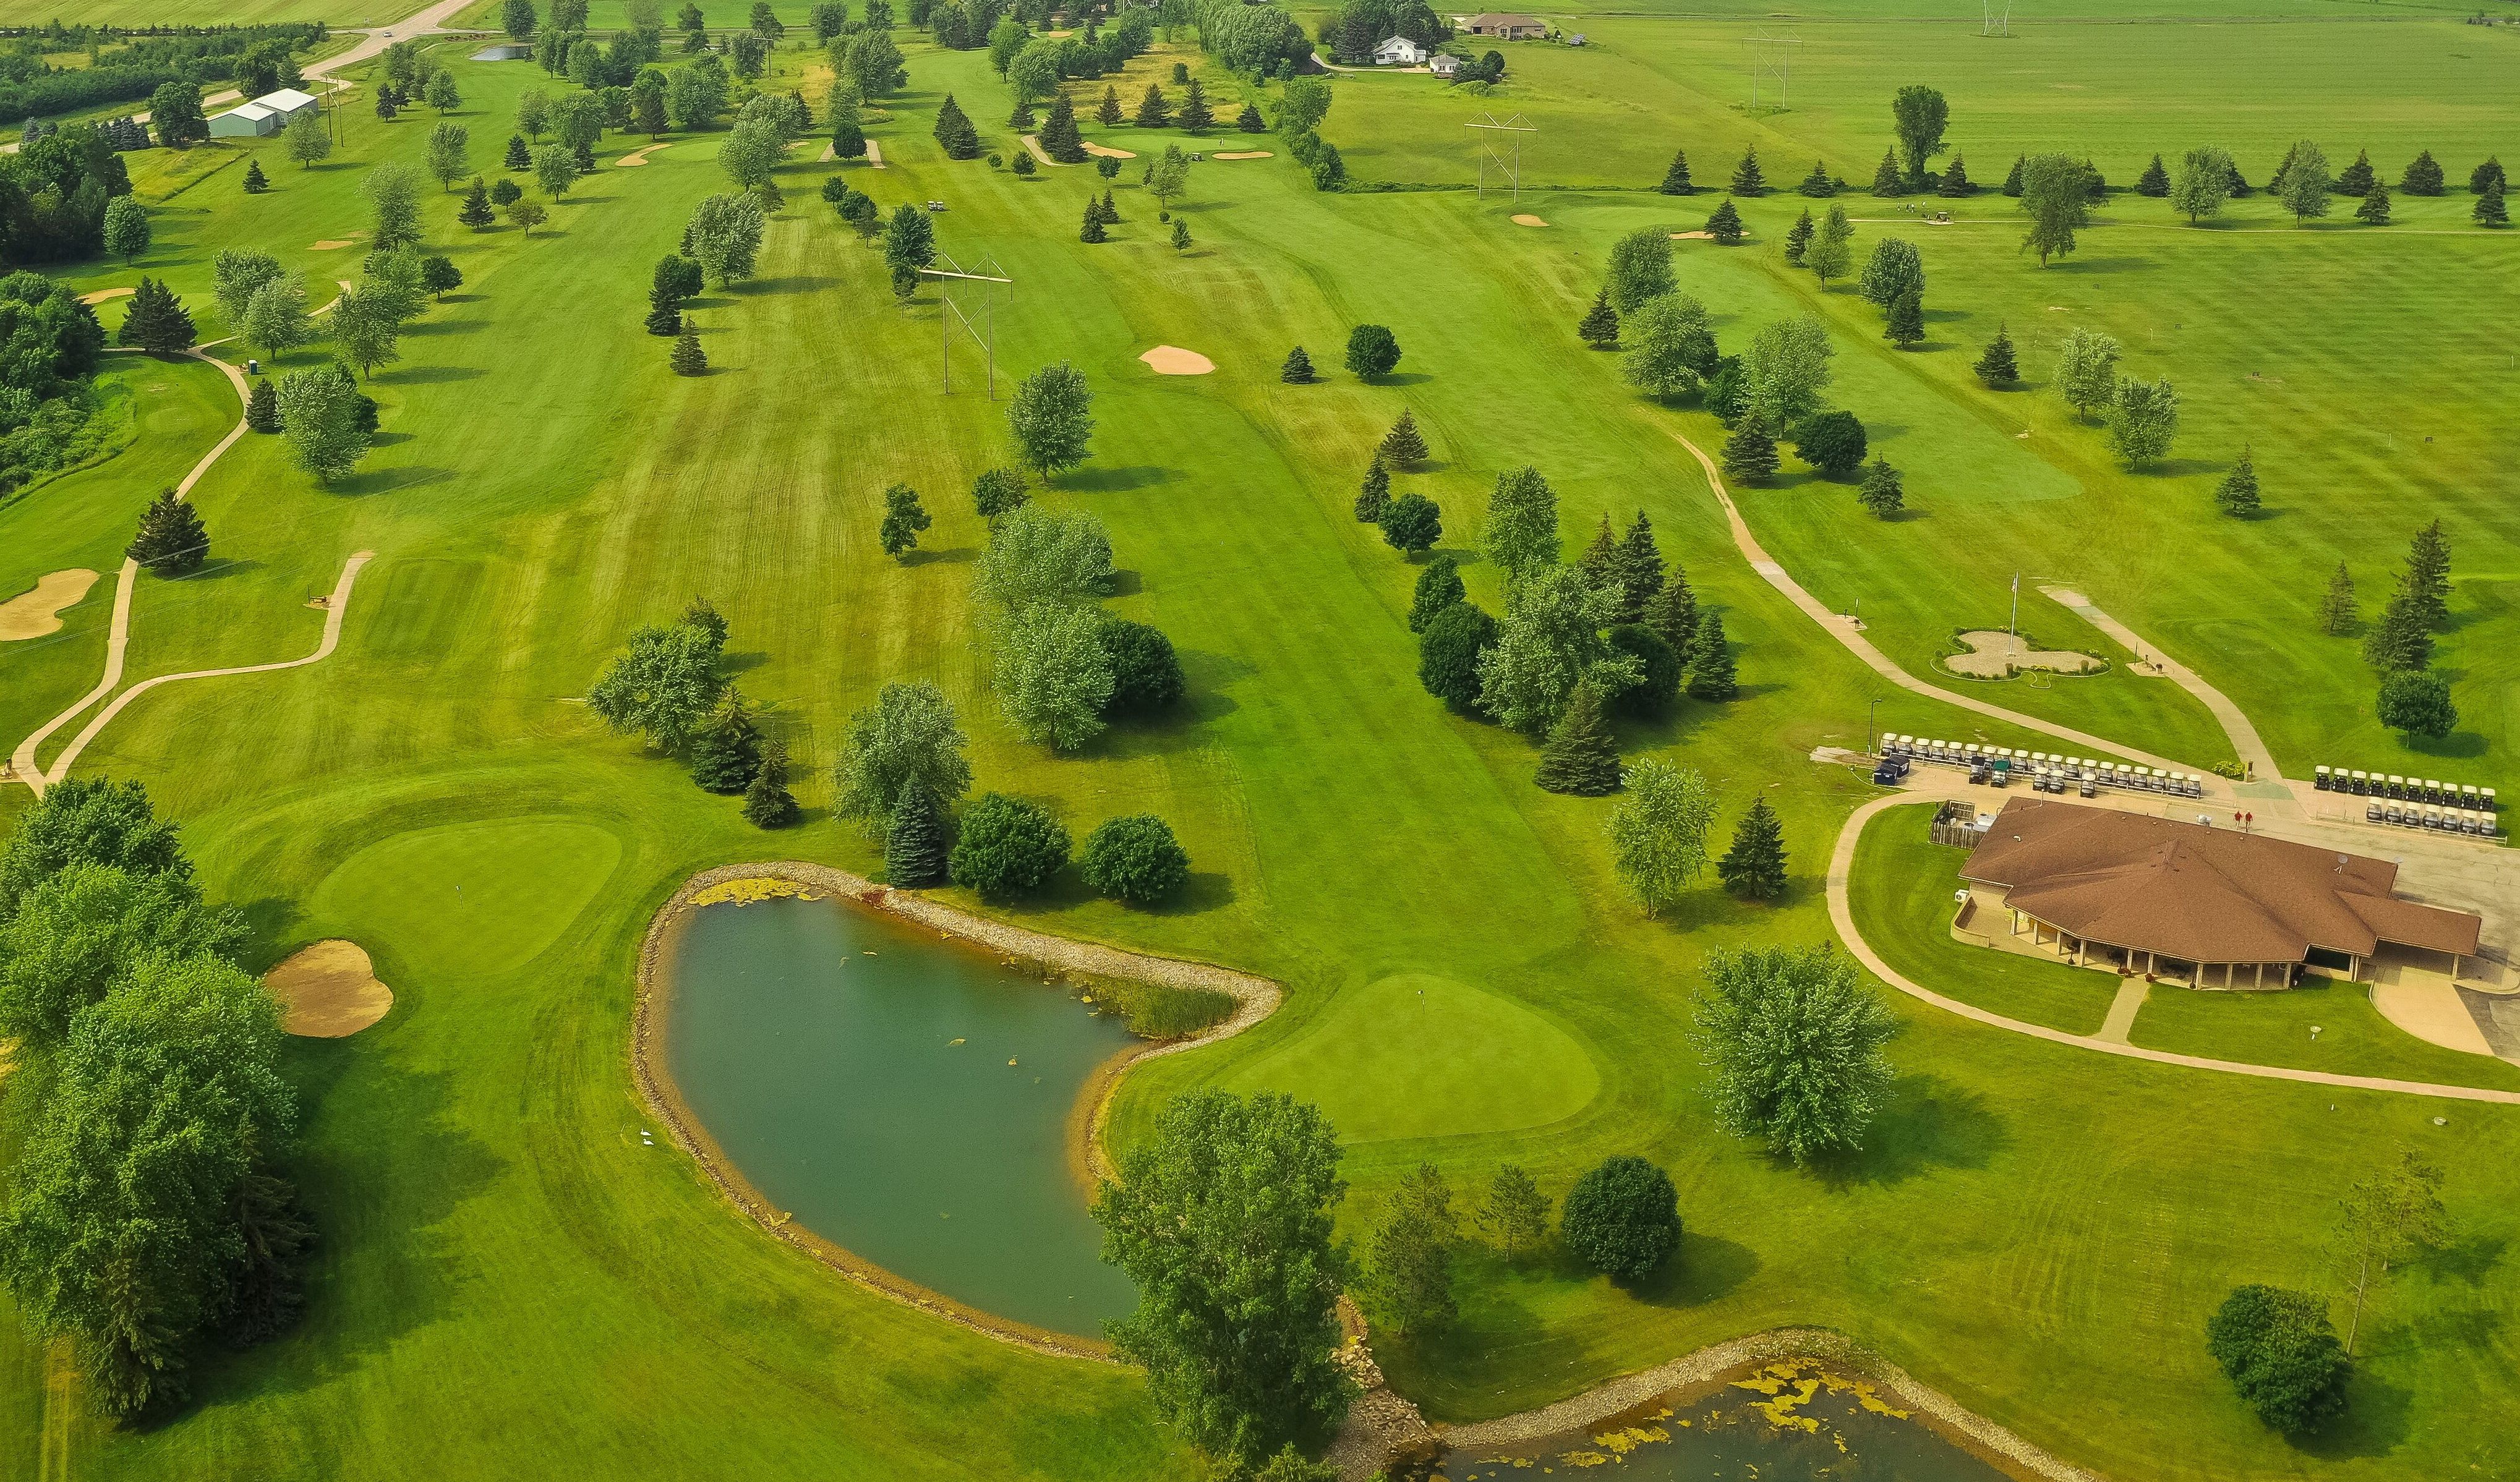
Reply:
x=512 y=1244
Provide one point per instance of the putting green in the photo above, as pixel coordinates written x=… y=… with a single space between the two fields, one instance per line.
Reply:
x=472 y=898
x=1415 y=1055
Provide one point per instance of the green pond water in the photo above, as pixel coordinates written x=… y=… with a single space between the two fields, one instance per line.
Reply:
x=872 y=1096
x=1727 y=1435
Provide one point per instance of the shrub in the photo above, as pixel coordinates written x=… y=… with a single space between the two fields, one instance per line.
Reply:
x=1622 y=1218
x=1831 y=442
x=1145 y=673
x=1008 y=847
x=1448 y=652
x=1135 y=859
x=1372 y=350
x=2280 y=1353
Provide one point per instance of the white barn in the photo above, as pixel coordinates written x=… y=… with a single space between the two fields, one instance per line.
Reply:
x=266 y=114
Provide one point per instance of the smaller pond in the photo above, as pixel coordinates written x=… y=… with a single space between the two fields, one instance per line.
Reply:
x=1788 y=1423
x=905 y=1096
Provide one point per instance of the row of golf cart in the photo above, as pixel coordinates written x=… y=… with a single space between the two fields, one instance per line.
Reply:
x=1999 y=766
x=2416 y=802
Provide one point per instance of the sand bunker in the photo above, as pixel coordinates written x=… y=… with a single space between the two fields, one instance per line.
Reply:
x=1988 y=657
x=1172 y=360
x=333 y=244
x=1528 y=220
x=639 y=156
x=101 y=294
x=36 y=612
x=1108 y=153
x=329 y=991
x=1693 y=236
x=1243 y=154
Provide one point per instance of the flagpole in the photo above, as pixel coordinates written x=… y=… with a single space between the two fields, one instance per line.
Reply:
x=2012 y=635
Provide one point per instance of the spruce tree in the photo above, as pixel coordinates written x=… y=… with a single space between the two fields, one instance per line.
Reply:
x=2426 y=583
x=254 y=181
x=2012 y=182
x=156 y=322
x=1298 y=368
x=171 y=540
x=1798 y=236
x=1600 y=558
x=1021 y=120
x=1997 y=367
x=1888 y=180
x=2489 y=210
x=1250 y=120
x=1725 y=226
x=2374 y=209
x=1710 y=660
x=518 y=157
x=726 y=750
x=1750 y=453
x=1639 y=570
x=1108 y=114
x=1907 y=325
x=1883 y=491
x=1818 y=185
x=1754 y=868
x=1374 y=495
x=915 y=845
x=1582 y=757
x=1195 y=117
x=1058 y=137
x=767 y=802
x=1439 y=586
x=1599 y=325
x=2478 y=180
x=1111 y=209
x=1747 y=179
x=1092 y=229
x=2423 y=176
x=2356 y=178
x=2399 y=641
x=1181 y=234
x=1154 y=113
x=2154 y=181
x=475 y=212
x=1956 y=182
x=664 y=314
x=262 y=407
x=1675 y=181
x=1402 y=447
x=2338 y=611
x=689 y=359
x=955 y=133
x=1673 y=614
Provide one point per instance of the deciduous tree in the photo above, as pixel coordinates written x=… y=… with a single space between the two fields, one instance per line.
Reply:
x=1658 y=832
x=1622 y=1218
x=1792 y=1043
x=1052 y=418
x=1135 y=859
x=1639 y=268
x=1006 y=846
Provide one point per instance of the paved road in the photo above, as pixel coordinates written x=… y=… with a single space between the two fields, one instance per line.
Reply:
x=2234 y=721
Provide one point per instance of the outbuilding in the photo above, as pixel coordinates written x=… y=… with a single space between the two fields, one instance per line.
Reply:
x=1443 y=64
x=264 y=116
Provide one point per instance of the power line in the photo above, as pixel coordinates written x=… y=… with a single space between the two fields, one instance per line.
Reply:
x=984 y=334
x=1508 y=138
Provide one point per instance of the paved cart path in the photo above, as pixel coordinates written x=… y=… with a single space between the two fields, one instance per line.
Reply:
x=2234 y=721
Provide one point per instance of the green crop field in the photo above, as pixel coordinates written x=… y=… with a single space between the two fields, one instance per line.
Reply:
x=2036 y=1229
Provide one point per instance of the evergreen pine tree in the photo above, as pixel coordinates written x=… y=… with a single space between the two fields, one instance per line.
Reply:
x=1818 y=185
x=1673 y=614
x=1883 y=491
x=1250 y=120
x=475 y=212
x=1108 y=114
x=262 y=407
x=2479 y=179
x=2338 y=611
x=1181 y=234
x=767 y=802
x=1582 y=757
x=2399 y=641
x=1194 y=115
x=2154 y=181
x=1599 y=325
x=1710 y=660
x=689 y=359
x=2012 y=182
x=518 y=157
x=156 y=322
x=2426 y=583
x=1021 y=120
x=1956 y=182
x=725 y=752
x=1798 y=236
x=1639 y=570
x=1154 y=113
x=1298 y=368
x=955 y=133
x=915 y=845
x=1675 y=181
x=1058 y=137
x=1754 y=868
x=2374 y=209
x=2489 y=208
x=1111 y=209
x=171 y=540
x=2237 y=494
x=254 y=181
x=1725 y=226
x=1092 y=228
x=2423 y=176
x=1402 y=447
x=1906 y=324
x=1750 y=453
x=2356 y=178
x=664 y=314
x=1997 y=367
x=1600 y=558
x=1888 y=179
x=1373 y=496
x=1747 y=178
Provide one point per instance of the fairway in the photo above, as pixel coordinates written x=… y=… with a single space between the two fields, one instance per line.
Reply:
x=511 y=1247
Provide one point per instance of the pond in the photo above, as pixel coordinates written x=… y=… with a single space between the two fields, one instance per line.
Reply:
x=1786 y=1422
x=906 y=1098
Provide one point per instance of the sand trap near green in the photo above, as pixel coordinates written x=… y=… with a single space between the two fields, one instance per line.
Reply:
x=1415 y=1055
x=478 y=898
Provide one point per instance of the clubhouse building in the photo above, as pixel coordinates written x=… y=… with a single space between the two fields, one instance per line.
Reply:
x=2213 y=908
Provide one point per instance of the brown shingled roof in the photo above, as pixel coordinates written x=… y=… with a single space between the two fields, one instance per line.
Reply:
x=2199 y=893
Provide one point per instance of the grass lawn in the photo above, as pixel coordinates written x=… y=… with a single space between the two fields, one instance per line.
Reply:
x=205 y=12
x=2273 y=1029
x=2038 y=1230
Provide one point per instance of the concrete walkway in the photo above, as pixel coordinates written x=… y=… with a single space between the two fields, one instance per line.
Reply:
x=2234 y=721
x=2119 y=1027
x=1842 y=869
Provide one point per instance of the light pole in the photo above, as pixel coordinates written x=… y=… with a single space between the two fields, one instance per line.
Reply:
x=1869 y=707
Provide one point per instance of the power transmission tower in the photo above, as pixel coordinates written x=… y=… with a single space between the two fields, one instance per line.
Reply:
x=1502 y=146
x=990 y=282
x=1770 y=63
x=1997 y=16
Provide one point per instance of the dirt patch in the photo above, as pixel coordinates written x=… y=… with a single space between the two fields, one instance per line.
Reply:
x=1995 y=655
x=874 y=154
x=101 y=294
x=1245 y=155
x=1526 y=220
x=1173 y=360
x=1693 y=236
x=36 y=611
x=1108 y=152
x=329 y=990
x=639 y=156
x=335 y=244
